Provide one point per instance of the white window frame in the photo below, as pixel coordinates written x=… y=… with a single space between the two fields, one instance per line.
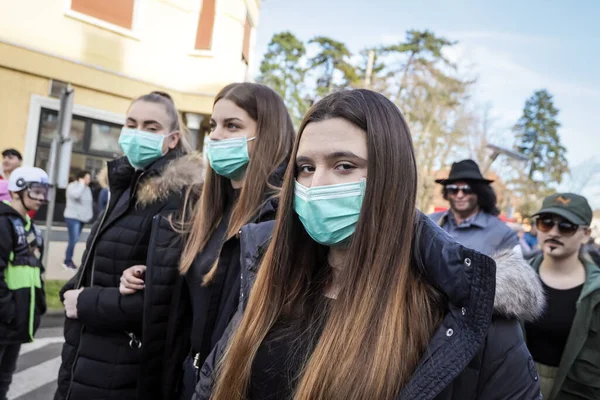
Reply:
x=33 y=121
x=133 y=33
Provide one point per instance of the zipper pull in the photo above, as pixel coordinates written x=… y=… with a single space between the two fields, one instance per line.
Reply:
x=197 y=361
x=134 y=343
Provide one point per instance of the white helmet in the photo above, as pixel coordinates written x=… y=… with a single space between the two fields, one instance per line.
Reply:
x=23 y=177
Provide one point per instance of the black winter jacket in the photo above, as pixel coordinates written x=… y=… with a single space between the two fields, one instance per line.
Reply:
x=22 y=298
x=116 y=342
x=478 y=352
x=219 y=309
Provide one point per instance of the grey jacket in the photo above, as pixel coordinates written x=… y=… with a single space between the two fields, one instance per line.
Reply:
x=80 y=203
x=484 y=233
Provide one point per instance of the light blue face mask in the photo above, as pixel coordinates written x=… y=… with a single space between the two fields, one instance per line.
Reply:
x=141 y=147
x=329 y=213
x=229 y=157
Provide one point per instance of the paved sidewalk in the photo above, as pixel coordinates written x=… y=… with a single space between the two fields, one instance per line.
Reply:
x=54 y=269
x=57 y=249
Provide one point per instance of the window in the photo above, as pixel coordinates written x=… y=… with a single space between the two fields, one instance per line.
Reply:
x=90 y=136
x=206 y=25
x=105 y=138
x=94 y=143
x=246 y=45
x=49 y=125
x=115 y=12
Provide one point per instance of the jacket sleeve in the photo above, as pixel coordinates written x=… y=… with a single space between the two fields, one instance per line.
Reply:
x=509 y=241
x=106 y=308
x=508 y=370
x=7 y=306
x=75 y=190
x=207 y=378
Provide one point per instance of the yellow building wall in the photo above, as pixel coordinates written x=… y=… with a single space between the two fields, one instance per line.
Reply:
x=16 y=89
x=42 y=40
x=15 y=97
x=159 y=50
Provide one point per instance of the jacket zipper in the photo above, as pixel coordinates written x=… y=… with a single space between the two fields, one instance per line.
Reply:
x=135 y=342
x=87 y=258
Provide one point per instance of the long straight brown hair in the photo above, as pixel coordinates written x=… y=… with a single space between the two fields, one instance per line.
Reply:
x=274 y=141
x=377 y=329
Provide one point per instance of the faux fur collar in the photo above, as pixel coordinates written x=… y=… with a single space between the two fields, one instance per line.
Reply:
x=519 y=292
x=186 y=171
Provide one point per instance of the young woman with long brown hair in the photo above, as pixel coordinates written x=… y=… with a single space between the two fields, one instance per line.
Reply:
x=361 y=296
x=251 y=140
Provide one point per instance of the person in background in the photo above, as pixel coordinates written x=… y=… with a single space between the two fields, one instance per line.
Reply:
x=473 y=216
x=104 y=194
x=565 y=341
x=78 y=211
x=356 y=299
x=22 y=299
x=11 y=160
x=531 y=238
x=592 y=249
x=4 y=193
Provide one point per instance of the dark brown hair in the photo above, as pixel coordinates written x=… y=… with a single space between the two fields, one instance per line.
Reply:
x=274 y=141
x=385 y=314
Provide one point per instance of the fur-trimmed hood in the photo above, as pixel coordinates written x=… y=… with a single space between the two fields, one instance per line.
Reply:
x=183 y=172
x=519 y=292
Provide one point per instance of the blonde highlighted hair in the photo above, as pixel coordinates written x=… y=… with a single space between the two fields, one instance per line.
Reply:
x=274 y=141
x=376 y=331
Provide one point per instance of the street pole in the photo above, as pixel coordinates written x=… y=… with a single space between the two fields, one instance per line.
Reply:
x=493 y=157
x=369 y=72
x=61 y=137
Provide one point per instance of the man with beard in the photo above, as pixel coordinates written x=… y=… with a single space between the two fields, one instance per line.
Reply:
x=565 y=341
x=473 y=216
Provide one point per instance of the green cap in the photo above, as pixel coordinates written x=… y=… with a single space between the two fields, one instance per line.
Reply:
x=573 y=207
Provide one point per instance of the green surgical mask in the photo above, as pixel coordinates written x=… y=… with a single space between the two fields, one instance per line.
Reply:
x=229 y=157
x=329 y=213
x=141 y=148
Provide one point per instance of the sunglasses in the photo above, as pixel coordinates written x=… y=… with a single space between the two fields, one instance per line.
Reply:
x=546 y=223
x=454 y=189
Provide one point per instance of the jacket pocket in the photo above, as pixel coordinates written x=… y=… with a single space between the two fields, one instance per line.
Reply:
x=583 y=381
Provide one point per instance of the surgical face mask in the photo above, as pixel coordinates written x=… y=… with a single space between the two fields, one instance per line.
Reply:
x=141 y=147
x=229 y=157
x=329 y=213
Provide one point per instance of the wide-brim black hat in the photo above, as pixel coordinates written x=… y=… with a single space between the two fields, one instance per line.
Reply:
x=465 y=170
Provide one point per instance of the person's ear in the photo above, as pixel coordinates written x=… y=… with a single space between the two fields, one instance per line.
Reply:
x=174 y=140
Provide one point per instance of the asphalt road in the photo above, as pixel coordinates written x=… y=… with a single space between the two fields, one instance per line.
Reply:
x=37 y=368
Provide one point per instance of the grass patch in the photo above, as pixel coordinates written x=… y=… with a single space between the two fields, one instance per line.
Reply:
x=52 y=298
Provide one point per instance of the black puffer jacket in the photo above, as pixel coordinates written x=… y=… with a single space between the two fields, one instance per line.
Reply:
x=116 y=342
x=478 y=352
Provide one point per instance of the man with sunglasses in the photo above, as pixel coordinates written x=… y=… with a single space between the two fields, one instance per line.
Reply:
x=565 y=341
x=472 y=219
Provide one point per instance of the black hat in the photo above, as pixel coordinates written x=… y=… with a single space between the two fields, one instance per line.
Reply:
x=573 y=207
x=465 y=170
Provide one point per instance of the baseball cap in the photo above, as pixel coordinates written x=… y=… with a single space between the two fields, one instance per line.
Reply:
x=22 y=177
x=572 y=207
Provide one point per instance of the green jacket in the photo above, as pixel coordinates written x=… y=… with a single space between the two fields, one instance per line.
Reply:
x=578 y=375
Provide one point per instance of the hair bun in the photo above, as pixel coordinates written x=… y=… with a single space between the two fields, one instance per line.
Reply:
x=162 y=94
